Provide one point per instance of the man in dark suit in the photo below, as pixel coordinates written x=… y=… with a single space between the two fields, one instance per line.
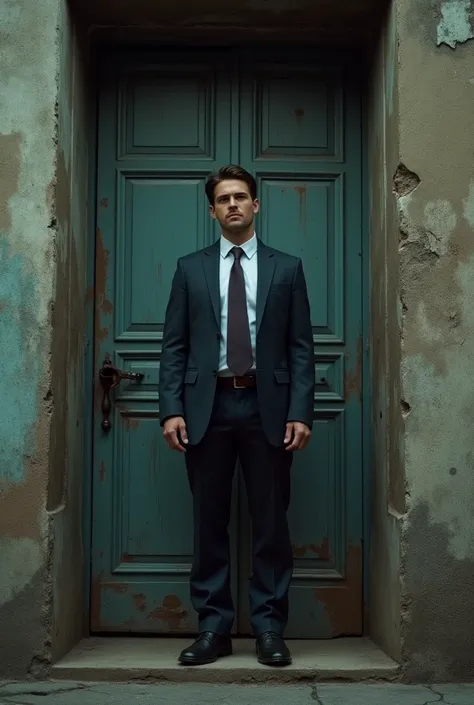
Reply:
x=237 y=382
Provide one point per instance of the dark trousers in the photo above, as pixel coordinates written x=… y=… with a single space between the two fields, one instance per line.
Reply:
x=235 y=432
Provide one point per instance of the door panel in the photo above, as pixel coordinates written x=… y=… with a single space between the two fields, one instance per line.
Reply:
x=158 y=139
x=165 y=122
x=300 y=138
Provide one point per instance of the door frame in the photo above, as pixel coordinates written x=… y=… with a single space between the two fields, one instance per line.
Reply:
x=97 y=55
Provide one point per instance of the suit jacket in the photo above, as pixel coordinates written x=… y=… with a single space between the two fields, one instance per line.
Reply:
x=284 y=343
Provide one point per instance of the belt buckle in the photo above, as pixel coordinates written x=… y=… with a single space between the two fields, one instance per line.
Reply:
x=238 y=386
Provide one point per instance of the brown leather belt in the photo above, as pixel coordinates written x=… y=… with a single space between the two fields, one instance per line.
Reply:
x=245 y=382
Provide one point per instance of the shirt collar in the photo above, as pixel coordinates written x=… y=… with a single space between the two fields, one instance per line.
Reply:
x=249 y=247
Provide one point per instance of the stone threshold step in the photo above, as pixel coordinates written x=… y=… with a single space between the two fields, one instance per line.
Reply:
x=148 y=659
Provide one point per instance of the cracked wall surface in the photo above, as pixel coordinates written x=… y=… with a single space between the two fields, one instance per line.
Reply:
x=436 y=248
x=388 y=492
x=28 y=68
x=43 y=239
x=65 y=488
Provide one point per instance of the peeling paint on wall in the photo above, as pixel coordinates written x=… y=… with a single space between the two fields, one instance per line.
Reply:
x=468 y=205
x=404 y=183
x=440 y=221
x=437 y=275
x=19 y=368
x=23 y=556
x=455 y=26
x=433 y=653
x=10 y=146
x=28 y=73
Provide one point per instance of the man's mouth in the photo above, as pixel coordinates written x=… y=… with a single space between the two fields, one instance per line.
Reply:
x=234 y=215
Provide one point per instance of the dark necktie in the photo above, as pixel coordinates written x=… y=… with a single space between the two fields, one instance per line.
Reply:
x=239 y=347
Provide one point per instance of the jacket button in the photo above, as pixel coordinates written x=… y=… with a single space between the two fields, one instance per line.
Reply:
x=214 y=372
x=218 y=336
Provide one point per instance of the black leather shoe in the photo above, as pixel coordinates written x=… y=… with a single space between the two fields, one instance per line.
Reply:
x=272 y=650
x=207 y=648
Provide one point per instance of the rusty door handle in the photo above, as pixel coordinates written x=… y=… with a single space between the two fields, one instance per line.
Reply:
x=110 y=377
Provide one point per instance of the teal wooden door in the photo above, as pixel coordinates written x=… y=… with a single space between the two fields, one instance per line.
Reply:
x=165 y=121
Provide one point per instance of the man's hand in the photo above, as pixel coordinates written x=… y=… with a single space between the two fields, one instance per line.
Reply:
x=174 y=431
x=297 y=435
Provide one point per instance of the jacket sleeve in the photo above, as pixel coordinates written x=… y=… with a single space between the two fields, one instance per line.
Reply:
x=174 y=354
x=301 y=352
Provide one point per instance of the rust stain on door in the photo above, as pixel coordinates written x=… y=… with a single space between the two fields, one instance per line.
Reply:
x=101 y=264
x=96 y=592
x=119 y=588
x=353 y=376
x=322 y=550
x=97 y=586
x=172 y=613
x=140 y=602
x=103 y=305
x=343 y=603
x=301 y=191
x=130 y=423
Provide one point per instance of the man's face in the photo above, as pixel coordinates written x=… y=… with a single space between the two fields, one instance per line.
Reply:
x=233 y=205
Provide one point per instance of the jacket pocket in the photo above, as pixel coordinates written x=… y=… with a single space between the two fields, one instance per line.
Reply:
x=282 y=376
x=190 y=377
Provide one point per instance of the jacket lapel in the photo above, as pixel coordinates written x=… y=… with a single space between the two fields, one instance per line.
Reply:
x=266 y=268
x=210 y=262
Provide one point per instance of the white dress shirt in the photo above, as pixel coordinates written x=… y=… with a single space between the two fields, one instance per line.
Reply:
x=250 y=269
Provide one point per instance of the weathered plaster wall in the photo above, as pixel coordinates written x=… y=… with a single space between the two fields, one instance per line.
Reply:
x=43 y=227
x=388 y=486
x=67 y=428
x=436 y=131
x=28 y=68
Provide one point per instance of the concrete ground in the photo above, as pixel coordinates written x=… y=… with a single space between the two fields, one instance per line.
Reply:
x=73 y=693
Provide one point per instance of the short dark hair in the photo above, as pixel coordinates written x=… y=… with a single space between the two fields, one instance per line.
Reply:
x=231 y=171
